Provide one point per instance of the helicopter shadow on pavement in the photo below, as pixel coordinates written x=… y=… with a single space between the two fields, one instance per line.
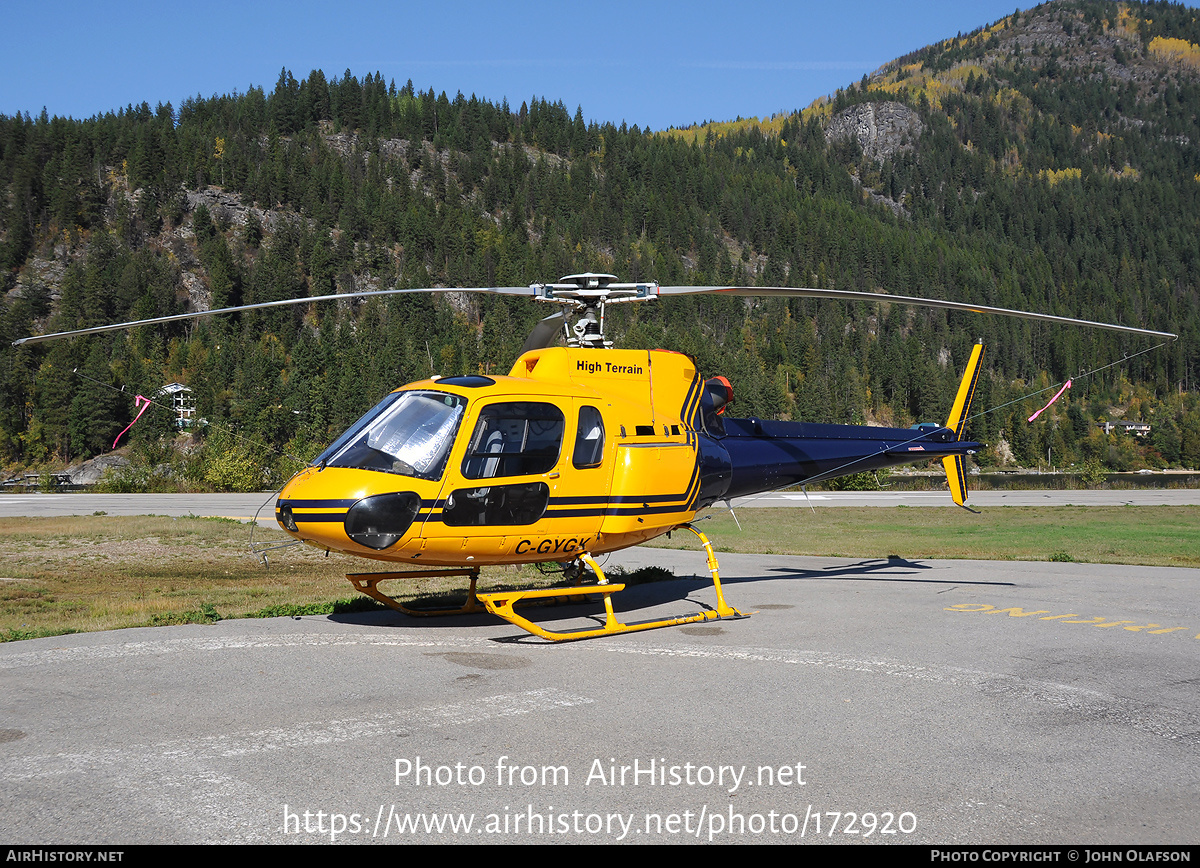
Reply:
x=645 y=598
x=891 y=569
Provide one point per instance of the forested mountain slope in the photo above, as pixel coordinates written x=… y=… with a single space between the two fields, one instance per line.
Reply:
x=1050 y=161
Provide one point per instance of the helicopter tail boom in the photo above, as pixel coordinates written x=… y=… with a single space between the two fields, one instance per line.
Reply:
x=752 y=456
x=766 y=456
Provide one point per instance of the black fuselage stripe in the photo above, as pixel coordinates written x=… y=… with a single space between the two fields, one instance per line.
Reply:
x=440 y=503
x=314 y=517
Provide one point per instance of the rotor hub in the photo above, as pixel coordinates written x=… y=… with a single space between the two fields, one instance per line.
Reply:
x=587 y=294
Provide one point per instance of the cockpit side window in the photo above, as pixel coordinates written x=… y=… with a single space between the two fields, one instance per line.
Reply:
x=589 y=439
x=514 y=439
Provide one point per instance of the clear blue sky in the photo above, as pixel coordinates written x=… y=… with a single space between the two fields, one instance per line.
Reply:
x=655 y=64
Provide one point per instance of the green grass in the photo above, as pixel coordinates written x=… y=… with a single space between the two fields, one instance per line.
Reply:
x=86 y=573
x=1150 y=535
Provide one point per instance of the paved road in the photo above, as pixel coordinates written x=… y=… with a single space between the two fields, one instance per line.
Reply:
x=245 y=506
x=242 y=506
x=978 y=499
x=934 y=701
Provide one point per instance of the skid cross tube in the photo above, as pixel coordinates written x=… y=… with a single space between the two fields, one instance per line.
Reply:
x=503 y=604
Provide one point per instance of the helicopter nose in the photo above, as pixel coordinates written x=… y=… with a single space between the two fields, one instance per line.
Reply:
x=309 y=509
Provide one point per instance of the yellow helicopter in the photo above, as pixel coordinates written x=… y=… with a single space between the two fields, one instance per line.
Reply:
x=579 y=451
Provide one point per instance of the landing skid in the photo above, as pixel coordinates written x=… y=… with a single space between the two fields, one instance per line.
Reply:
x=503 y=604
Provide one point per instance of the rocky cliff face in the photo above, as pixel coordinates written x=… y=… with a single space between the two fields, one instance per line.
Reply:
x=882 y=129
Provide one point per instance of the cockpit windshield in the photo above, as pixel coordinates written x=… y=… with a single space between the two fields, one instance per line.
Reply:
x=408 y=433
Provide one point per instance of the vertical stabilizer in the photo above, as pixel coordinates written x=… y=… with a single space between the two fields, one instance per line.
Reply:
x=956 y=476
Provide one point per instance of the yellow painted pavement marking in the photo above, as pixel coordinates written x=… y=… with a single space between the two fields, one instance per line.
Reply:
x=1068 y=618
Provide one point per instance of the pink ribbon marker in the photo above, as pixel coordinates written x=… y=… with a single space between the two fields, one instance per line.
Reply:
x=1035 y=415
x=142 y=402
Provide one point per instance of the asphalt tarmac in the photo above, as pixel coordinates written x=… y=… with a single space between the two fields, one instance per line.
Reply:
x=877 y=701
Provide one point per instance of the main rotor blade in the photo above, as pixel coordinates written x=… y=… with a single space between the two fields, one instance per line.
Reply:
x=37 y=339
x=847 y=295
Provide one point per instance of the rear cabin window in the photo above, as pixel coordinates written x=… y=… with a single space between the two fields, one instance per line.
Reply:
x=589 y=440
